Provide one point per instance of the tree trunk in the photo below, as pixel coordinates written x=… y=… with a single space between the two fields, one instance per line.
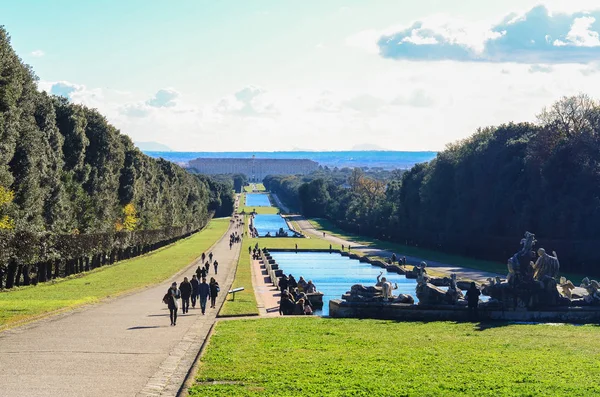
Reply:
x=26 y=278
x=18 y=276
x=10 y=274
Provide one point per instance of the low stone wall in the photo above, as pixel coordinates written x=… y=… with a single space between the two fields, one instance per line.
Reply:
x=405 y=312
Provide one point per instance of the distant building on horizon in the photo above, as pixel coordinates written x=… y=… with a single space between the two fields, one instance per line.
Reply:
x=254 y=169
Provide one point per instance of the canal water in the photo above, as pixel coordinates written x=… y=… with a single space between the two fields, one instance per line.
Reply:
x=334 y=274
x=257 y=200
x=270 y=223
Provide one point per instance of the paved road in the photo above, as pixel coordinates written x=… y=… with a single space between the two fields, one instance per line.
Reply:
x=123 y=347
x=461 y=272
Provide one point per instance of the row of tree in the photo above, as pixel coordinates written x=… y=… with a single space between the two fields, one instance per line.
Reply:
x=65 y=172
x=480 y=195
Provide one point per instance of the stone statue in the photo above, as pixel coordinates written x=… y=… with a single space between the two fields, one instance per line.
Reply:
x=422 y=275
x=566 y=286
x=592 y=288
x=453 y=295
x=546 y=265
x=518 y=264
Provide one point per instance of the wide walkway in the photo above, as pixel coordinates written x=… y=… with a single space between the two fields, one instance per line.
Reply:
x=124 y=347
x=444 y=268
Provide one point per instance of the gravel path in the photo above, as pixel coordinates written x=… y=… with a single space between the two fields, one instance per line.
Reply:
x=121 y=347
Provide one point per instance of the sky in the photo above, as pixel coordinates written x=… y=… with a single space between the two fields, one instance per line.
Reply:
x=226 y=75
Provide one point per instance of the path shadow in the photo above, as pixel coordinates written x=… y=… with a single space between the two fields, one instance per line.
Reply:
x=272 y=309
x=144 y=327
x=159 y=315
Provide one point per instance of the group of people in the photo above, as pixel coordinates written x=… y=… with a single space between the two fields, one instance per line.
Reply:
x=289 y=283
x=294 y=300
x=234 y=238
x=254 y=252
x=196 y=290
x=394 y=258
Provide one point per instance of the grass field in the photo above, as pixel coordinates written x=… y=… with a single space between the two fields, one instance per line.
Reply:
x=289 y=242
x=245 y=301
x=27 y=302
x=258 y=186
x=305 y=356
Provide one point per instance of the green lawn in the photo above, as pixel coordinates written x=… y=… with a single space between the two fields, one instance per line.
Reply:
x=27 y=302
x=311 y=356
x=259 y=187
x=259 y=210
x=245 y=301
x=289 y=242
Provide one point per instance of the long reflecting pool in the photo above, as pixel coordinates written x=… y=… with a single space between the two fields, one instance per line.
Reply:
x=269 y=224
x=334 y=274
x=257 y=200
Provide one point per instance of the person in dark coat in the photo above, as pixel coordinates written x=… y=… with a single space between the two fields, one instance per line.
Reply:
x=283 y=283
x=195 y=283
x=186 y=292
x=171 y=299
x=207 y=267
x=286 y=305
x=203 y=294
x=215 y=265
x=199 y=273
x=292 y=284
x=214 y=291
x=472 y=296
x=202 y=273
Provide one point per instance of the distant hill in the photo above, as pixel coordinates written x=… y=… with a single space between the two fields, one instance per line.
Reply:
x=366 y=146
x=152 y=147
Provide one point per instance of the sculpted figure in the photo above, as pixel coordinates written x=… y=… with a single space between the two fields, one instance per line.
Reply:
x=546 y=265
x=421 y=273
x=592 y=288
x=566 y=286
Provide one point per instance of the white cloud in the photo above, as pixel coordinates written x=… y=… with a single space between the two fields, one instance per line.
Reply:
x=537 y=36
x=540 y=69
x=418 y=98
x=581 y=34
x=365 y=40
x=38 y=53
x=163 y=98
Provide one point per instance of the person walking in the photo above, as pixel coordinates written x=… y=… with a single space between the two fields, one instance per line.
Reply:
x=186 y=292
x=203 y=294
x=172 y=301
x=195 y=283
x=214 y=291
x=203 y=257
x=215 y=265
x=210 y=256
x=198 y=272
x=207 y=267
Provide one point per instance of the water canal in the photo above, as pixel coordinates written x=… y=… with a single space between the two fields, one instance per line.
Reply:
x=257 y=200
x=334 y=274
x=269 y=224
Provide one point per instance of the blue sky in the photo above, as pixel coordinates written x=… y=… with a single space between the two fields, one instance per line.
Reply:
x=215 y=75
